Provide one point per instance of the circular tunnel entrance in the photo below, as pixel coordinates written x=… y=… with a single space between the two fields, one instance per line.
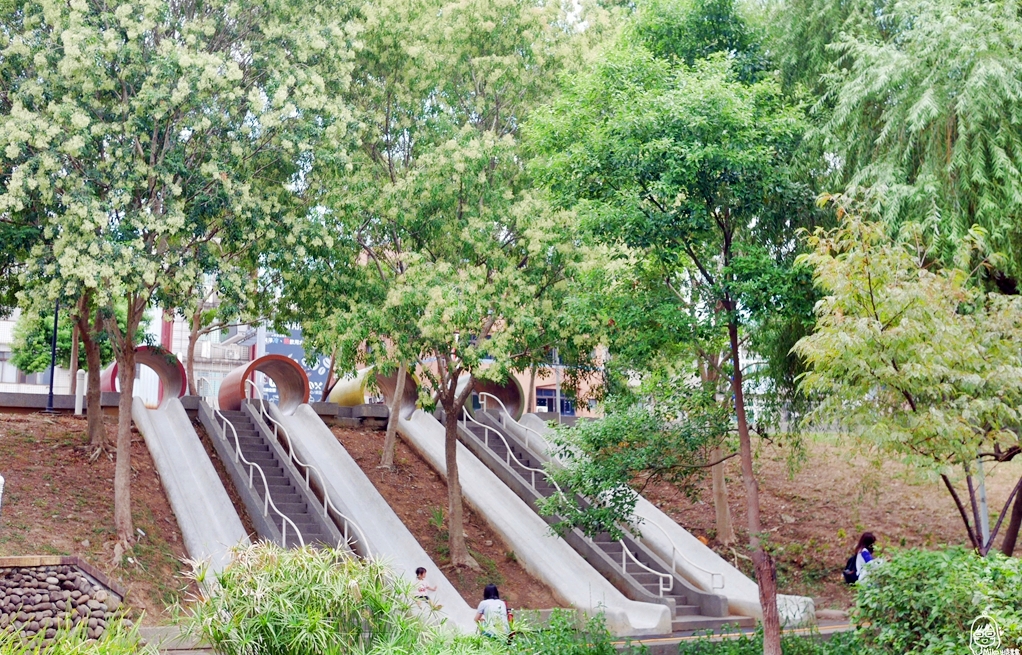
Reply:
x=170 y=370
x=288 y=375
x=486 y=394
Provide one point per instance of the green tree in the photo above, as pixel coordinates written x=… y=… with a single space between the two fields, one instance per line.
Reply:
x=141 y=129
x=920 y=115
x=32 y=334
x=914 y=359
x=693 y=167
x=434 y=249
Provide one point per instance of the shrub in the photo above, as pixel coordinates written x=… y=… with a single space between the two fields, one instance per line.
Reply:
x=842 y=643
x=117 y=639
x=271 y=601
x=925 y=601
x=565 y=634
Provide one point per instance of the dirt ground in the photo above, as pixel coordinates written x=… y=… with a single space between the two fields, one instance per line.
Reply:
x=57 y=501
x=419 y=497
x=816 y=516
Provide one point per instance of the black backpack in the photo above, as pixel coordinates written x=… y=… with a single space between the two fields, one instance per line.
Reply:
x=851 y=577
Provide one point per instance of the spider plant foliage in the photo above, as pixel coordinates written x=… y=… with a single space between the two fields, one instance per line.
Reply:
x=271 y=601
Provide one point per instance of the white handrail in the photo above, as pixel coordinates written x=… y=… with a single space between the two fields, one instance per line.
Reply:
x=660 y=576
x=309 y=469
x=252 y=466
x=677 y=551
x=507 y=415
x=486 y=440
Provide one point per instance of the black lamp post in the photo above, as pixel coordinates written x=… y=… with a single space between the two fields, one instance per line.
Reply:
x=53 y=357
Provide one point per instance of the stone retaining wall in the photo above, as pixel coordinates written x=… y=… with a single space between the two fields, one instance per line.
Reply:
x=38 y=594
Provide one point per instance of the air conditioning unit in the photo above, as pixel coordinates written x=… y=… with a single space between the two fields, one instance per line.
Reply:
x=232 y=354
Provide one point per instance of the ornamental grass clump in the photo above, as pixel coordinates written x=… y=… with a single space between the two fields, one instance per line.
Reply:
x=271 y=601
x=119 y=638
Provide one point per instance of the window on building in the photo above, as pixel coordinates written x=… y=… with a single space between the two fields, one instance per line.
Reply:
x=546 y=401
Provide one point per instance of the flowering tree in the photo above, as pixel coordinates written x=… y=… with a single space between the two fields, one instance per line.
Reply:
x=139 y=130
x=436 y=251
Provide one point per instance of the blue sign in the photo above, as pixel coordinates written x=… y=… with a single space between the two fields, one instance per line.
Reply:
x=292 y=347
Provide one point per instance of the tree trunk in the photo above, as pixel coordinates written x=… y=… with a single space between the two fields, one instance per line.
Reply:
x=1014 y=523
x=725 y=530
x=390 y=441
x=73 y=364
x=93 y=393
x=122 y=468
x=766 y=573
x=453 y=404
x=193 y=339
x=327 y=385
x=708 y=371
x=530 y=404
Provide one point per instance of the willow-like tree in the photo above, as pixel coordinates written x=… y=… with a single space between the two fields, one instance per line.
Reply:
x=920 y=112
x=693 y=167
x=138 y=130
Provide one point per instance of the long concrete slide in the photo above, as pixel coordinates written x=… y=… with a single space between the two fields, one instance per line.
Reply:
x=700 y=564
x=209 y=524
x=349 y=487
x=546 y=556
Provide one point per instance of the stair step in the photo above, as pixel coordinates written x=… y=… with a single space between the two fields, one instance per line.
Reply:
x=686 y=610
x=691 y=623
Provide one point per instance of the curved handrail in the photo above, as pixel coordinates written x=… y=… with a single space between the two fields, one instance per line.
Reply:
x=252 y=466
x=660 y=575
x=308 y=468
x=507 y=415
x=677 y=551
x=486 y=440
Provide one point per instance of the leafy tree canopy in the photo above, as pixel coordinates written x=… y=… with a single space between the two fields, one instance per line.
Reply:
x=32 y=341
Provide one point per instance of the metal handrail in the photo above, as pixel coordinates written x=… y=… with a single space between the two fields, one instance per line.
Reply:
x=486 y=441
x=660 y=575
x=309 y=469
x=677 y=551
x=252 y=466
x=507 y=415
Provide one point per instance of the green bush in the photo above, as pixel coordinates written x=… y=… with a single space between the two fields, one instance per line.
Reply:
x=271 y=601
x=921 y=601
x=842 y=643
x=117 y=639
x=565 y=634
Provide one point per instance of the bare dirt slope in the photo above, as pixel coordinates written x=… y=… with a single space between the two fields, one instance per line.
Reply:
x=419 y=497
x=815 y=516
x=57 y=501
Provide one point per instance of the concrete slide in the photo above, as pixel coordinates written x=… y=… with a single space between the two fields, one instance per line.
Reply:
x=209 y=524
x=543 y=554
x=699 y=564
x=355 y=495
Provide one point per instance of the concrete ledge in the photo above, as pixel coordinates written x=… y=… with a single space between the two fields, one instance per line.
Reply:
x=325 y=409
x=63 y=402
x=370 y=411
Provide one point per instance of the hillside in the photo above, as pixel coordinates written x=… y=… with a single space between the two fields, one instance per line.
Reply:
x=57 y=501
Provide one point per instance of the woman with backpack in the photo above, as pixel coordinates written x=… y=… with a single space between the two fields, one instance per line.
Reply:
x=856 y=566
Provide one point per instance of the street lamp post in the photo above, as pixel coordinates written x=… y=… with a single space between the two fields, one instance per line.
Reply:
x=53 y=356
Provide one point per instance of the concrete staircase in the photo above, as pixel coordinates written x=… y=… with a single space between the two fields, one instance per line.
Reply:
x=643 y=573
x=288 y=494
